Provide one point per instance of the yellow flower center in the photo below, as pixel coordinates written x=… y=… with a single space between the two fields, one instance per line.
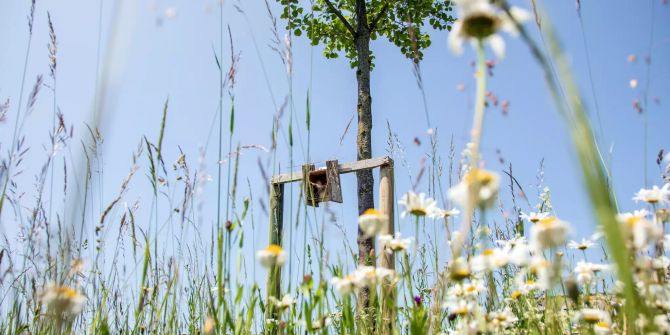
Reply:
x=460 y=274
x=633 y=220
x=418 y=211
x=603 y=324
x=274 y=249
x=480 y=25
x=548 y=221
x=372 y=211
x=66 y=292
x=591 y=318
x=516 y=295
x=461 y=311
x=487 y=252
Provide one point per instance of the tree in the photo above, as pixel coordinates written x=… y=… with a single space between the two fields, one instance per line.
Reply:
x=348 y=26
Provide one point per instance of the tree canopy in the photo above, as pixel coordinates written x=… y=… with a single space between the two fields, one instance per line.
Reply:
x=333 y=23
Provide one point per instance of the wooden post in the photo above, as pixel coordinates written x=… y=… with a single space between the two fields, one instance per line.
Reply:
x=275 y=234
x=386 y=206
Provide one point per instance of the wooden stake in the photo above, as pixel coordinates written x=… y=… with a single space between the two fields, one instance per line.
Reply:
x=386 y=260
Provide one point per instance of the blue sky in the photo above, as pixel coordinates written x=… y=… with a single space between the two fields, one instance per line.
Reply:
x=156 y=57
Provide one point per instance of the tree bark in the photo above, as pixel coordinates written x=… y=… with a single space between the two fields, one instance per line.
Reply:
x=365 y=180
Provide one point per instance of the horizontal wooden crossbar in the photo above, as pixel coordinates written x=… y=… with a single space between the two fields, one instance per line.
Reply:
x=343 y=168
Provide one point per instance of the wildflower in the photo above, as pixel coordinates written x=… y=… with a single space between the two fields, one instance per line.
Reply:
x=417 y=205
x=526 y=286
x=485 y=185
x=271 y=256
x=541 y=269
x=459 y=269
x=586 y=272
x=62 y=300
x=384 y=274
x=372 y=221
x=602 y=328
x=283 y=304
x=592 y=316
x=534 y=217
x=391 y=244
x=501 y=319
x=365 y=276
x=583 y=245
x=516 y=295
x=490 y=260
x=519 y=254
x=441 y=213
x=459 y=307
x=321 y=323
x=638 y=229
x=654 y=195
x=479 y=20
x=344 y=285
x=473 y=288
x=548 y=233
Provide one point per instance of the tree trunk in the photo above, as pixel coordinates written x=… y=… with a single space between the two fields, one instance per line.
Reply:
x=364 y=178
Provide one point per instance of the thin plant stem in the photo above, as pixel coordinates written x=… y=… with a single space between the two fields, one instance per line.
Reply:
x=477 y=127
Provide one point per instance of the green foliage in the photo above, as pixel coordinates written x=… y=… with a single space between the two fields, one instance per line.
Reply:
x=404 y=23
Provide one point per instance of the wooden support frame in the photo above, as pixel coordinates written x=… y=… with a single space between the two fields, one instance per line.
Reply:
x=386 y=206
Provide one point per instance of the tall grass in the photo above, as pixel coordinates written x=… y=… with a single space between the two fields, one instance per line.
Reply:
x=159 y=270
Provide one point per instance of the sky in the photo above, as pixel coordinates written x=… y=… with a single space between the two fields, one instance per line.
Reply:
x=153 y=50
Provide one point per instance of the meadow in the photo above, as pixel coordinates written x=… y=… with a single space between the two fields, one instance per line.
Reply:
x=190 y=241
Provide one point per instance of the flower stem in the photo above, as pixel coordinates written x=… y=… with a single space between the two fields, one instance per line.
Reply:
x=476 y=133
x=479 y=105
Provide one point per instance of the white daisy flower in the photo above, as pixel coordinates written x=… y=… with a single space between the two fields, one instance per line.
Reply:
x=485 y=185
x=655 y=195
x=384 y=274
x=391 y=244
x=480 y=20
x=490 y=260
x=271 y=256
x=603 y=328
x=583 y=245
x=441 y=213
x=525 y=286
x=548 y=233
x=473 y=288
x=459 y=269
x=586 y=272
x=372 y=221
x=283 y=304
x=638 y=229
x=459 y=307
x=519 y=254
x=418 y=205
x=542 y=269
x=592 y=316
x=344 y=285
x=62 y=301
x=500 y=320
x=533 y=217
